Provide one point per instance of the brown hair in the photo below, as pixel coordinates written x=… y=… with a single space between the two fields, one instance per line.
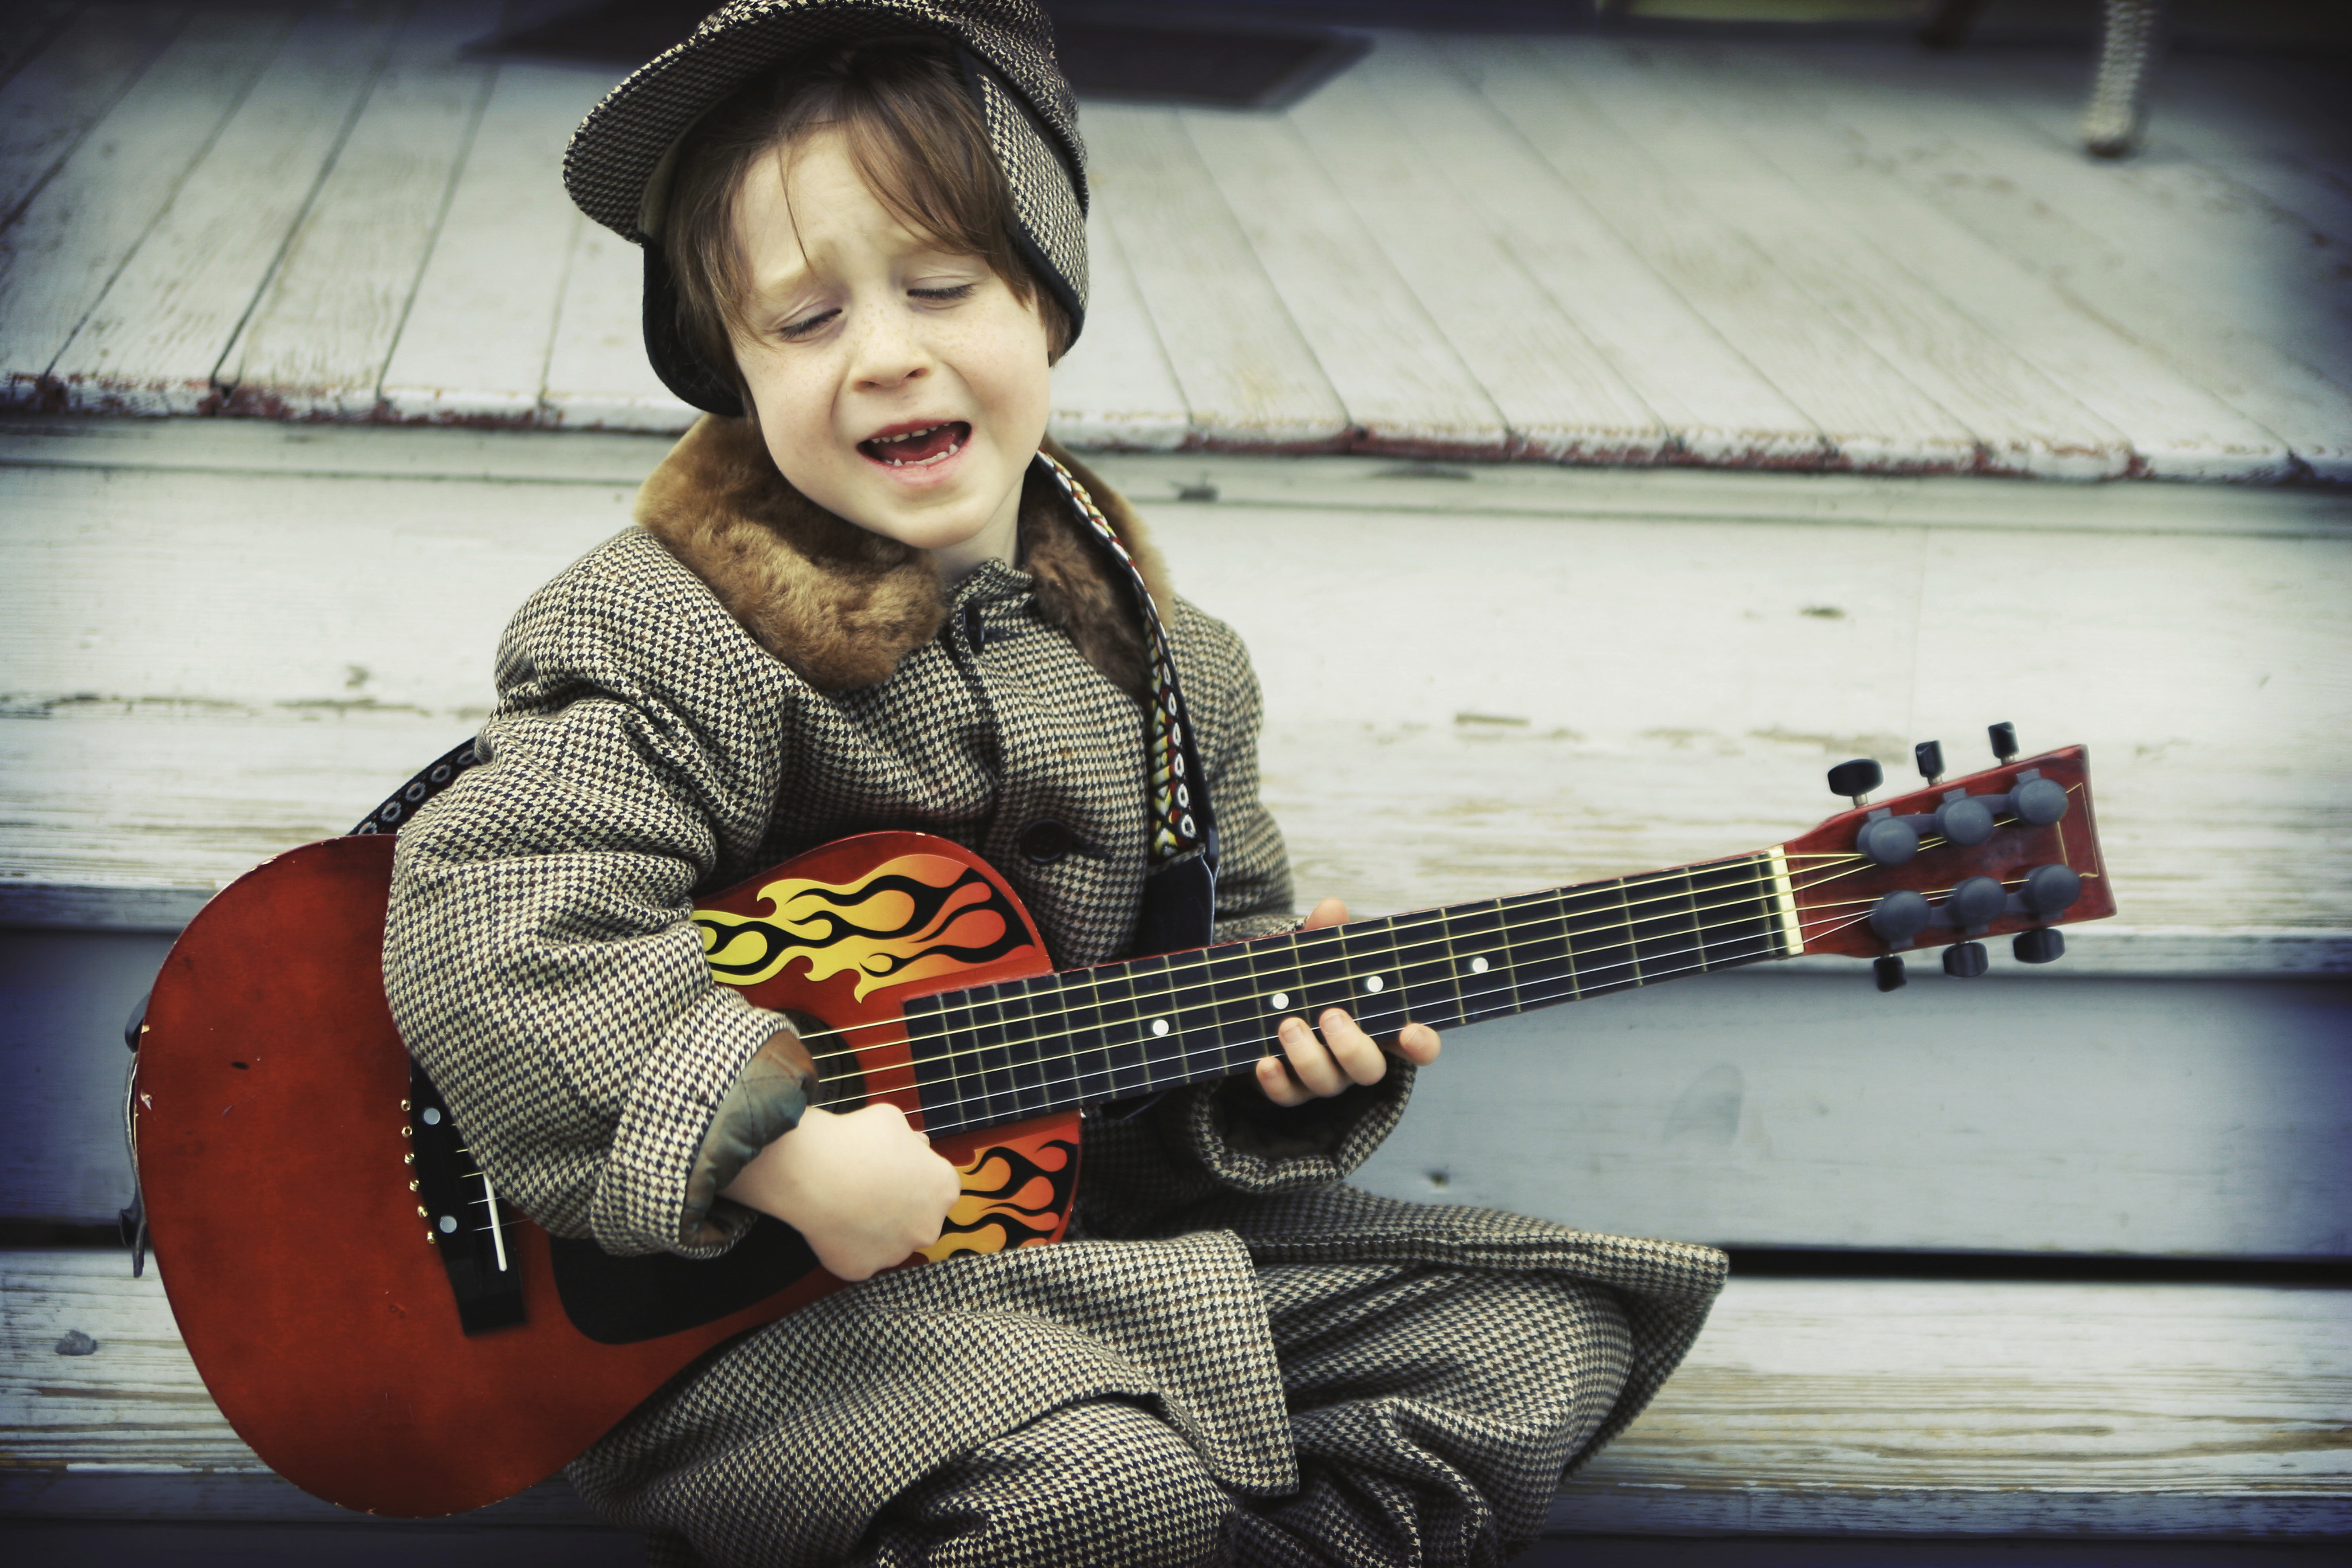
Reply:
x=914 y=136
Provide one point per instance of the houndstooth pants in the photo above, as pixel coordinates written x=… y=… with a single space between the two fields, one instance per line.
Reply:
x=1432 y=1409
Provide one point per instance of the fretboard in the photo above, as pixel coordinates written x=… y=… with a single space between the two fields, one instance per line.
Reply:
x=1002 y=1053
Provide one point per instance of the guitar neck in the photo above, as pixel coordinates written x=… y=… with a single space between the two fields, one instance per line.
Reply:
x=1003 y=1053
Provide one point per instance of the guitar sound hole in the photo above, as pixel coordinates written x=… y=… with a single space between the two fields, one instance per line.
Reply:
x=840 y=1083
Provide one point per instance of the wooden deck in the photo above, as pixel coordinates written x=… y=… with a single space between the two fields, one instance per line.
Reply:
x=1839 y=255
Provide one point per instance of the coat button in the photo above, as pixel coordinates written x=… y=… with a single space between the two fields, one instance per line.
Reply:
x=1045 y=842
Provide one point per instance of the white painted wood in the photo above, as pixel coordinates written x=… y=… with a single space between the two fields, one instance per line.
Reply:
x=598 y=377
x=317 y=338
x=2024 y=424
x=1402 y=385
x=1806 y=1405
x=2217 y=339
x=1873 y=417
x=476 y=340
x=2176 y=429
x=2053 y=1114
x=1717 y=407
x=1115 y=387
x=153 y=339
x=1829 y=1407
x=65 y=248
x=1247 y=374
x=1556 y=392
x=50 y=102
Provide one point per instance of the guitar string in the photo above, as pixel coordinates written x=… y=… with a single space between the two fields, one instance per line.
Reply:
x=1576 y=985
x=1048 y=1085
x=1051 y=1084
x=1414 y=921
x=1514 y=940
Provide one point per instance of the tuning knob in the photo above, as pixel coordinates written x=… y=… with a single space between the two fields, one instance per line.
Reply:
x=2040 y=946
x=1975 y=903
x=2039 y=801
x=1855 y=779
x=1965 y=960
x=1900 y=916
x=1965 y=821
x=1930 y=755
x=2004 y=741
x=1889 y=972
x=1886 y=841
x=2048 y=890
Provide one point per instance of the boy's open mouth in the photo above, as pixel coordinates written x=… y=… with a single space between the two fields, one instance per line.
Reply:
x=919 y=445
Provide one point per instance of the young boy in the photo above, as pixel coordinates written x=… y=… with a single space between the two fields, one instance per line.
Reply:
x=861 y=598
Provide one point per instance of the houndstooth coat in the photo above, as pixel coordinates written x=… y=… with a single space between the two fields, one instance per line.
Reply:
x=1237 y=1358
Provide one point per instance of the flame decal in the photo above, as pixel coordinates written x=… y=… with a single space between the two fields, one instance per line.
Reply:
x=914 y=917
x=989 y=1219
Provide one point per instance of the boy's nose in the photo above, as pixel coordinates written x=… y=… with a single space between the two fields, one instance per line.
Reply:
x=888 y=353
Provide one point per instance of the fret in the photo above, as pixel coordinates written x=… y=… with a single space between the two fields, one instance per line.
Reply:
x=1278 y=987
x=1600 y=925
x=1088 y=1072
x=1543 y=964
x=1150 y=1034
x=1480 y=950
x=1666 y=940
x=1321 y=973
x=1738 y=922
x=1118 y=1010
x=1425 y=960
x=938 y=1084
x=1033 y=1048
x=1241 y=1019
x=1190 y=1050
x=981 y=1061
x=1376 y=993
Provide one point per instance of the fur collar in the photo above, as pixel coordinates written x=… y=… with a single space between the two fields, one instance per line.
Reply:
x=842 y=607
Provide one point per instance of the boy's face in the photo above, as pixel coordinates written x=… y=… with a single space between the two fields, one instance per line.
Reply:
x=899 y=386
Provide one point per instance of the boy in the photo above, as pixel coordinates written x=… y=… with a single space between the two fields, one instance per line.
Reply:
x=861 y=598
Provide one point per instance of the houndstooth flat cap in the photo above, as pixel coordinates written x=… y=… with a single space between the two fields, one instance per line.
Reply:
x=617 y=165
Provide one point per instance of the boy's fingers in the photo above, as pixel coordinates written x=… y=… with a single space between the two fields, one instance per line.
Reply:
x=1279 y=1086
x=1329 y=913
x=1309 y=1059
x=1357 y=1053
x=1418 y=1044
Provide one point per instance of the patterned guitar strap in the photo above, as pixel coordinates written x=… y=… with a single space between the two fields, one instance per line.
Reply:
x=1179 y=891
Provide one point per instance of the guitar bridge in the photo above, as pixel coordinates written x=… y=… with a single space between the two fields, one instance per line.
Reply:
x=462 y=1215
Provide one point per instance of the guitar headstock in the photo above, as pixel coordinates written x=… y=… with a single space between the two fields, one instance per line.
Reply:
x=2011 y=851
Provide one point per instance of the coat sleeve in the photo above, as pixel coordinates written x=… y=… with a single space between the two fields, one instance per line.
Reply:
x=539 y=954
x=1228 y=1136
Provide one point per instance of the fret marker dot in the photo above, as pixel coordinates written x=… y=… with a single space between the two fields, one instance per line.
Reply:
x=448 y=1225
x=1477 y=966
x=1281 y=1000
x=432 y=1117
x=1158 y=1025
x=1374 y=983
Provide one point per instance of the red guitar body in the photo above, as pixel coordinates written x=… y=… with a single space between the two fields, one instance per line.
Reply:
x=273 y=1136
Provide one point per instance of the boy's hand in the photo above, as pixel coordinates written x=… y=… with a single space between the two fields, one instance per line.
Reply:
x=865 y=1189
x=1345 y=1055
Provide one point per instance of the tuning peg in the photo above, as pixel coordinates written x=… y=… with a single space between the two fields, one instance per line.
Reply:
x=1930 y=755
x=1855 y=779
x=2004 y=741
x=2048 y=890
x=1887 y=841
x=1900 y=916
x=2040 y=946
x=1966 y=821
x=1965 y=960
x=1975 y=903
x=2038 y=801
x=1889 y=972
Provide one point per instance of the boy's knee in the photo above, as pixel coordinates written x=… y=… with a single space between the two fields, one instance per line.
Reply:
x=1101 y=1481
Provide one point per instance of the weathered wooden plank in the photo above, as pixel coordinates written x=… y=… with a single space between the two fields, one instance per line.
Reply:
x=1714 y=404
x=1403 y=387
x=1873 y=416
x=476 y=340
x=2176 y=429
x=598 y=377
x=1805 y=1406
x=1556 y=391
x=2218 y=342
x=67 y=242
x=152 y=341
x=52 y=101
x=1115 y=387
x=1247 y=375
x=2023 y=422
x=317 y=338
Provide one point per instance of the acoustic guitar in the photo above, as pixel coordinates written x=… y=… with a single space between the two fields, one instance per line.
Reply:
x=389 y=1334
